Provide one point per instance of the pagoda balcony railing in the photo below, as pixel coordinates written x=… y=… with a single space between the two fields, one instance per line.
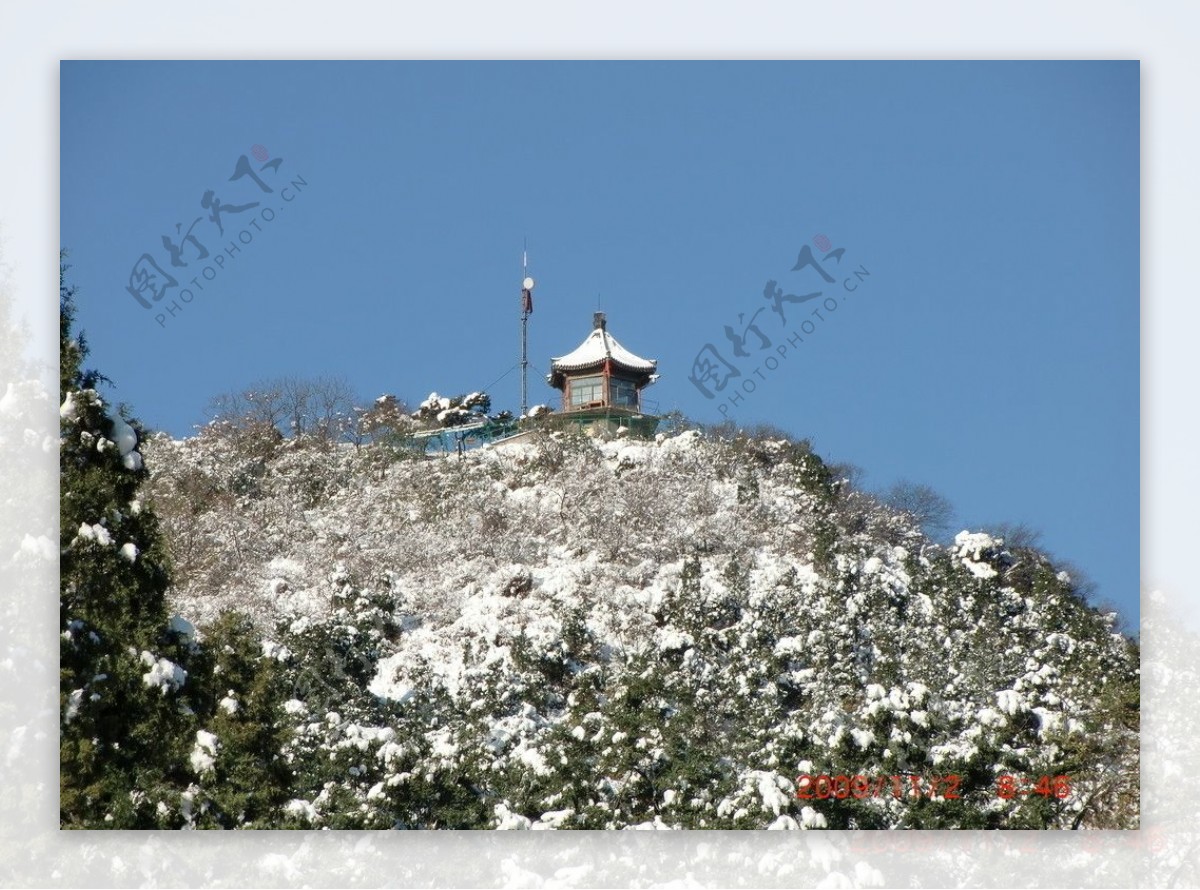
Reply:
x=644 y=406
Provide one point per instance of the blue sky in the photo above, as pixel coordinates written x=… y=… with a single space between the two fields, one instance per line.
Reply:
x=991 y=352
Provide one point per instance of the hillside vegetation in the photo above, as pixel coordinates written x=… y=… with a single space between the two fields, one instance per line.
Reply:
x=572 y=633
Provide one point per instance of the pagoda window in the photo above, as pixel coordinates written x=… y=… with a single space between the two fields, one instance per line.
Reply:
x=623 y=393
x=585 y=390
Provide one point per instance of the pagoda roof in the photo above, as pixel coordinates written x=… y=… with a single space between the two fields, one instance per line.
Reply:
x=598 y=346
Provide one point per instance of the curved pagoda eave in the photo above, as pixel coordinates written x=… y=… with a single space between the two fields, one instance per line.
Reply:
x=590 y=356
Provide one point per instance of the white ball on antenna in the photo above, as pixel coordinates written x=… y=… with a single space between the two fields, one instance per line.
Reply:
x=527 y=284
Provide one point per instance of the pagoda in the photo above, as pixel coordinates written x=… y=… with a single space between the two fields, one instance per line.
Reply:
x=602 y=382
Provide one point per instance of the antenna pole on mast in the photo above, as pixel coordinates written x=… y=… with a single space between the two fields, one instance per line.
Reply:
x=526 y=310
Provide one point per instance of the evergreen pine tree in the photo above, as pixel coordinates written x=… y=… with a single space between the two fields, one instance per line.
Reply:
x=121 y=668
x=143 y=706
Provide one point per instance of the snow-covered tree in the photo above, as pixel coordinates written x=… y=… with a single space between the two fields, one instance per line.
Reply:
x=148 y=716
x=122 y=665
x=448 y=411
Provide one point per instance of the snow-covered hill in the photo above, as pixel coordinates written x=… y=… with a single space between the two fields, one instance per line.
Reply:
x=583 y=634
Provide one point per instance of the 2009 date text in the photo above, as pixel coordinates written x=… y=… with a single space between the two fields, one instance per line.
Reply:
x=822 y=787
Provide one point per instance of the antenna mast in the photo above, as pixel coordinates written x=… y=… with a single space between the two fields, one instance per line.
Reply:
x=526 y=311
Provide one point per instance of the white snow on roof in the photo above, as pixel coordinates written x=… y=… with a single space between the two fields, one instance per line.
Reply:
x=593 y=350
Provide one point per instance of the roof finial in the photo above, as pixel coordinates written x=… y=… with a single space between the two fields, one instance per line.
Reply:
x=598 y=320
